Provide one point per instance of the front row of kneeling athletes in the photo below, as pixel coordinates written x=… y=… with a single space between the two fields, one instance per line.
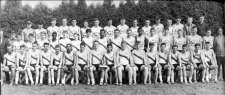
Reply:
x=67 y=65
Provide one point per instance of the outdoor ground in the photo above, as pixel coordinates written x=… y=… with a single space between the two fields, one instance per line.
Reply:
x=159 y=89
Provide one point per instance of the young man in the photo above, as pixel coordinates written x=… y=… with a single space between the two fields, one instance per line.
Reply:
x=96 y=29
x=159 y=27
x=69 y=66
x=134 y=28
x=45 y=62
x=211 y=63
x=74 y=30
x=130 y=40
x=76 y=44
x=109 y=29
x=164 y=63
x=54 y=41
x=166 y=38
x=198 y=62
x=21 y=65
x=180 y=40
x=178 y=27
x=219 y=48
x=116 y=41
x=125 y=60
x=56 y=65
x=123 y=27
x=194 y=38
x=9 y=64
x=43 y=40
x=102 y=41
x=169 y=27
x=208 y=38
x=83 y=59
x=174 y=62
x=147 y=28
x=109 y=59
x=28 y=43
x=202 y=26
x=153 y=38
x=64 y=40
x=186 y=64
x=139 y=60
x=17 y=43
x=37 y=32
x=84 y=28
x=189 y=26
x=88 y=40
x=33 y=64
x=53 y=28
x=63 y=28
x=96 y=59
x=141 y=38
x=28 y=30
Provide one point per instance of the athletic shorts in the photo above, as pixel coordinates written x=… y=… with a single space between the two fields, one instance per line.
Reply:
x=163 y=66
x=68 y=68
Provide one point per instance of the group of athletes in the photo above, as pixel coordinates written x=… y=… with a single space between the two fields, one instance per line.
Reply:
x=116 y=55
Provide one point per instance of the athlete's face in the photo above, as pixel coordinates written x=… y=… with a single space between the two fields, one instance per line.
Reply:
x=129 y=32
x=201 y=19
x=54 y=35
x=158 y=21
x=22 y=49
x=207 y=46
x=220 y=31
x=34 y=46
x=102 y=33
x=74 y=22
x=184 y=48
x=147 y=23
x=151 y=47
x=110 y=48
x=122 y=21
x=53 y=22
x=178 y=20
x=135 y=23
x=190 y=20
x=19 y=37
x=141 y=31
x=88 y=34
x=195 y=30
x=46 y=46
x=169 y=22
x=64 y=34
x=152 y=31
x=29 y=25
x=64 y=21
x=208 y=33
x=57 y=49
x=40 y=26
x=116 y=33
x=82 y=47
x=197 y=47
x=96 y=23
x=95 y=45
x=110 y=22
x=175 y=48
x=85 y=24
x=163 y=47
x=10 y=49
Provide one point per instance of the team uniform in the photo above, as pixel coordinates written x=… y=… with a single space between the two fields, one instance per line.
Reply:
x=21 y=60
x=64 y=29
x=130 y=41
x=95 y=30
x=52 y=29
x=75 y=32
x=63 y=42
x=116 y=42
x=109 y=31
x=155 y=40
x=192 y=40
x=158 y=28
x=147 y=30
x=26 y=32
x=168 y=40
x=134 y=31
x=123 y=29
x=176 y=27
x=38 y=33
x=209 y=39
x=83 y=31
x=16 y=45
x=142 y=40
x=179 y=41
x=89 y=42
x=76 y=45
x=45 y=60
x=103 y=44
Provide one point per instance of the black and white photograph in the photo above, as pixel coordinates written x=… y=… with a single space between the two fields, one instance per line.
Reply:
x=112 y=47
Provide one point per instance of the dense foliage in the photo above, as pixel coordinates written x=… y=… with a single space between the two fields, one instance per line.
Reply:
x=13 y=16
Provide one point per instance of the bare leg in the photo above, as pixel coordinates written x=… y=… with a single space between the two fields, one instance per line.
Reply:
x=156 y=74
x=58 y=76
x=106 y=76
x=134 y=71
x=16 y=78
x=30 y=76
x=36 y=75
x=149 y=76
x=145 y=72
x=49 y=77
x=168 y=74
x=120 y=75
x=191 y=74
x=102 y=77
x=185 y=75
x=160 y=75
x=172 y=75
x=77 y=77
x=41 y=76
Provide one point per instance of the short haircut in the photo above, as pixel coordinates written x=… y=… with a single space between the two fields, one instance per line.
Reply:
x=69 y=44
x=35 y=42
x=184 y=45
x=31 y=34
x=207 y=42
x=174 y=46
x=197 y=44
x=109 y=44
x=22 y=46
x=151 y=44
x=194 y=27
x=162 y=44
x=46 y=43
x=88 y=31
x=82 y=44
x=57 y=46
